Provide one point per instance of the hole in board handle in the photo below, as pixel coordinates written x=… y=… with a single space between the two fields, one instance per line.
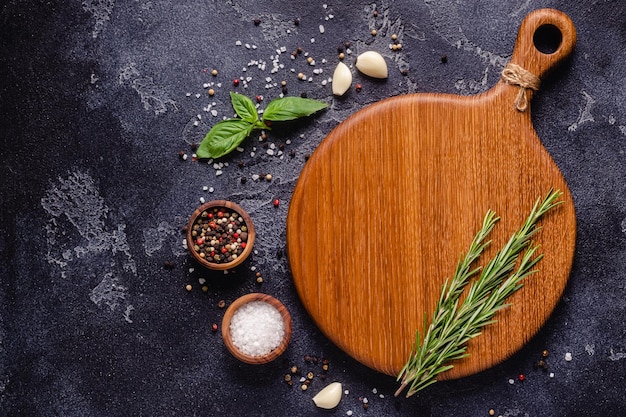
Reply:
x=547 y=39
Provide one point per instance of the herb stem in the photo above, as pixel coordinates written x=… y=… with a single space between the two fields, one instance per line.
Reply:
x=455 y=323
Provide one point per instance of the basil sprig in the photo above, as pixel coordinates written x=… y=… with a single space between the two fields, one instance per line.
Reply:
x=225 y=136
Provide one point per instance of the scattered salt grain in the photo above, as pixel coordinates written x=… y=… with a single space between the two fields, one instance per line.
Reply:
x=568 y=356
x=551 y=374
x=511 y=381
x=321 y=28
x=257 y=328
x=202 y=200
x=211 y=189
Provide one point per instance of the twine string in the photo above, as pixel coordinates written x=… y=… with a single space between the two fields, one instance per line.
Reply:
x=516 y=75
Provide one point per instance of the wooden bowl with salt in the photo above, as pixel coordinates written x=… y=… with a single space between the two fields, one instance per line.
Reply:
x=199 y=244
x=256 y=328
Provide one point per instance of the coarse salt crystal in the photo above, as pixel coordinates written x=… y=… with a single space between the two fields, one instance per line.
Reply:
x=568 y=356
x=321 y=28
x=257 y=328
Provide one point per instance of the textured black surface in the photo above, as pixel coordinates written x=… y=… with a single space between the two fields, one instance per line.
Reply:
x=98 y=97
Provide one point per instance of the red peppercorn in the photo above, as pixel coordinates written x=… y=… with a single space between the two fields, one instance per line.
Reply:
x=236 y=82
x=259 y=99
x=214 y=327
x=276 y=202
x=220 y=214
x=200 y=241
x=243 y=245
x=521 y=377
x=235 y=235
x=358 y=87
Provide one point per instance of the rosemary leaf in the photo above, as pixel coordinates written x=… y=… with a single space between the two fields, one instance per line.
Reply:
x=454 y=323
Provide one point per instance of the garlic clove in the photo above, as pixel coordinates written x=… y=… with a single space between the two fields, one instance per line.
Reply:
x=328 y=397
x=342 y=79
x=372 y=63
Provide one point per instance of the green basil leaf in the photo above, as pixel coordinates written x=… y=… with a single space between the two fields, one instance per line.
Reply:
x=223 y=138
x=289 y=108
x=244 y=107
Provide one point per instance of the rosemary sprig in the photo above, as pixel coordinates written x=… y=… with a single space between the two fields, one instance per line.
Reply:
x=453 y=324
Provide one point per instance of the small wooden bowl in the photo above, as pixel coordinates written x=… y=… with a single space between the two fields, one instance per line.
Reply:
x=228 y=341
x=249 y=243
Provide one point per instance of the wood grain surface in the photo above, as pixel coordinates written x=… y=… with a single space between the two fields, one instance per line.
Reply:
x=393 y=196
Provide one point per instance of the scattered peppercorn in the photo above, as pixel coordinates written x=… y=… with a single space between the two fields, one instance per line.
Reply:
x=211 y=92
x=341 y=55
x=268 y=177
x=358 y=87
x=214 y=72
x=303 y=95
x=492 y=412
x=296 y=21
x=193 y=146
x=236 y=82
x=221 y=304
x=294 y=369
x=276 y=202
x=347 y=44
x=374 y=32
x=205 y=288
x=214 y=327
x=259 y=99
x=299 y=50
x=521 y=377
x=257 y=22
x=444 y=59
x=287 y=378
x=244 y=180
x=188 y=287
x=545 y=353
x=304 y=387
x=259 y=280
x=307 y=358
x=375 y=13
x=404 y=72
x=315 y=360
x=182 y=155
x=394 y=37
x=310 y=375
x=169 y=265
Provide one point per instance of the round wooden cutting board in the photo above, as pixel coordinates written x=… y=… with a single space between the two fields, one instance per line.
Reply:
x=393 y=196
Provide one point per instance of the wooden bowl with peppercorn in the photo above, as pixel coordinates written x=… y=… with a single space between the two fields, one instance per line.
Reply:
x=256 y=328
x=220 y=235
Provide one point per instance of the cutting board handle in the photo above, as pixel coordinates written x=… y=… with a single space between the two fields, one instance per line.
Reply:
x=546 y=38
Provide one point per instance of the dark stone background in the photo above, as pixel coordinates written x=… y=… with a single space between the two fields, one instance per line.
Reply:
x=98 y=97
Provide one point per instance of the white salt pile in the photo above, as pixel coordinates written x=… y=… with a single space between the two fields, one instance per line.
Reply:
x=257 y=328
